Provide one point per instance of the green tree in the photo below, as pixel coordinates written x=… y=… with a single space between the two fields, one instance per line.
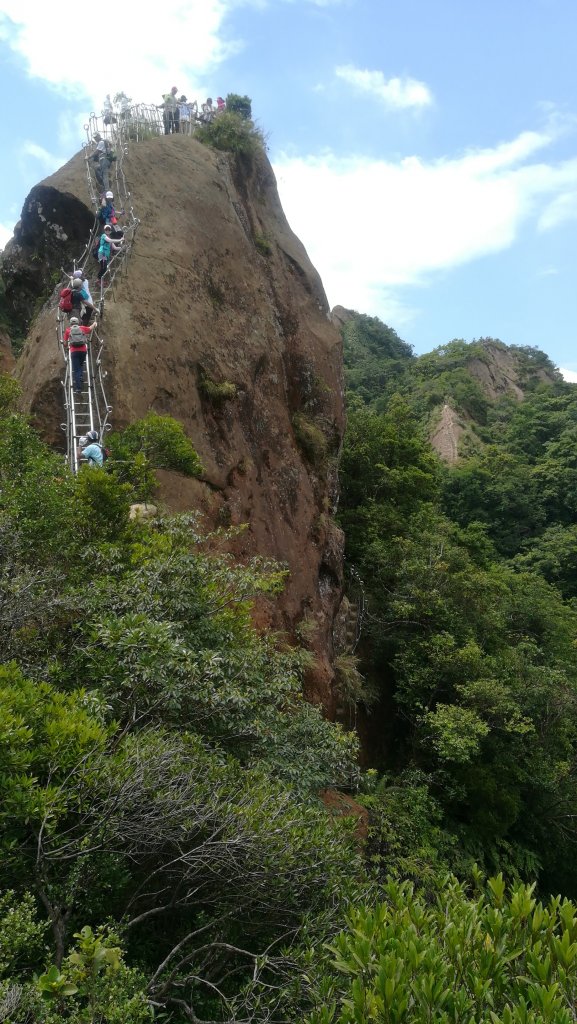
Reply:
x=241 y=105
x=497 y=957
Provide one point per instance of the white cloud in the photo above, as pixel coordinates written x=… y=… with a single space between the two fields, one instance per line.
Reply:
x=5 y=234
x=560 y=210
x=375 y=227
x=548 y=272
x=48 y=161
x=395 y=93
x=152 y=48
x=569 y=375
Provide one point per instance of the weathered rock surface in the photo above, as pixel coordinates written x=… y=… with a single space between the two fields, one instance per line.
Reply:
x=445 y=435
x=499 y=373
x=51 y=232
x=340 y=315
x=219 y=292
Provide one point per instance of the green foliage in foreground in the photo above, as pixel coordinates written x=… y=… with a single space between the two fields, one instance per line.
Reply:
x=154 y=829
x=501 y=957
x=92 y=983
x=160 y=828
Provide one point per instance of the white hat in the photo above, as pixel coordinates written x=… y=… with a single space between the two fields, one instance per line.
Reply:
x=82 y=441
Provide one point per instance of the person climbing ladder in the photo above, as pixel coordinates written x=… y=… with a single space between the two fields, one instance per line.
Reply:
x=105 y=249
x=75 y=338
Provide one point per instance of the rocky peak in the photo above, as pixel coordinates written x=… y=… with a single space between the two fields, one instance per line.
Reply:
x=222 y=322
x=508 y=369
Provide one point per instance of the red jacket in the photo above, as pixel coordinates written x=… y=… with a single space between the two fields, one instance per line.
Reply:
x=76 y=347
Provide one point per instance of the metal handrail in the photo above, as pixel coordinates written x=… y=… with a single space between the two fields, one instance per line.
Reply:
x=92 y=410
x=136 y=123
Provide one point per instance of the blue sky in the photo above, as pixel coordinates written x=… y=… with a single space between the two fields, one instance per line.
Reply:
x=426 y=151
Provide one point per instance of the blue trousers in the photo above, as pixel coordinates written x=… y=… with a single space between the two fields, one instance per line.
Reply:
x=78 y=360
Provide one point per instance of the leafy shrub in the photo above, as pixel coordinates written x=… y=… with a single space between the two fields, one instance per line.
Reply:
x=231 y=132
x=155 y=442
x=262 y=245
x=217 y=392
x=310 y=439
x=499 y=958
x=10 y=392
x=406 y=838
x=240 y=105
x=163 y=441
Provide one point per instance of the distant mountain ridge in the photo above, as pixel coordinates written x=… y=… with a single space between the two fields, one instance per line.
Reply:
x=451 y=388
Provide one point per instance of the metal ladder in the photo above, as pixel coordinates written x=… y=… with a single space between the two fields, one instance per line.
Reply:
x=88 y=410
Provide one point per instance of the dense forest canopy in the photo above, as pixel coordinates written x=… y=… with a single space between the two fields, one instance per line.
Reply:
x=470 y=629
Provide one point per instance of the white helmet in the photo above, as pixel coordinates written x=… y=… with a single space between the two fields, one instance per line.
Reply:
x=109 y=195
x=82 y=441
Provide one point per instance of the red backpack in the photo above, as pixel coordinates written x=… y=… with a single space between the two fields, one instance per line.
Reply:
x=65 y=303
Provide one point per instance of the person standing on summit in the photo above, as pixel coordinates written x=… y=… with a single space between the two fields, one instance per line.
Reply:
x=170 y=115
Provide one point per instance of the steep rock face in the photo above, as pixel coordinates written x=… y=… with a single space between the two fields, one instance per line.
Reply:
x=502 y=371
x=222 y=322
x=52 y=230
x=498 y=374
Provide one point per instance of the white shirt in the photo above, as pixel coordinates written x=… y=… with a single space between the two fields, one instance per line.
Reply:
x=86 y=287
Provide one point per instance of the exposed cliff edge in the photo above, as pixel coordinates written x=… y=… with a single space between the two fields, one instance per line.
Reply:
x=222 y=322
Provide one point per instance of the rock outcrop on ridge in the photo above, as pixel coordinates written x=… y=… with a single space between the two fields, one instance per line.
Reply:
x=220 y=321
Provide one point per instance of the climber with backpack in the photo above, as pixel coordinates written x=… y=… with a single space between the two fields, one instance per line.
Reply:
x=103 y=156
x=81 y=297
x=107 y=215
x=76 y=336
x=87 y=297
x=65 y=301
x=91 y=451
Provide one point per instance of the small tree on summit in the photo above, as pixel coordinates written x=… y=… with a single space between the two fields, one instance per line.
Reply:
x=239 y=105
